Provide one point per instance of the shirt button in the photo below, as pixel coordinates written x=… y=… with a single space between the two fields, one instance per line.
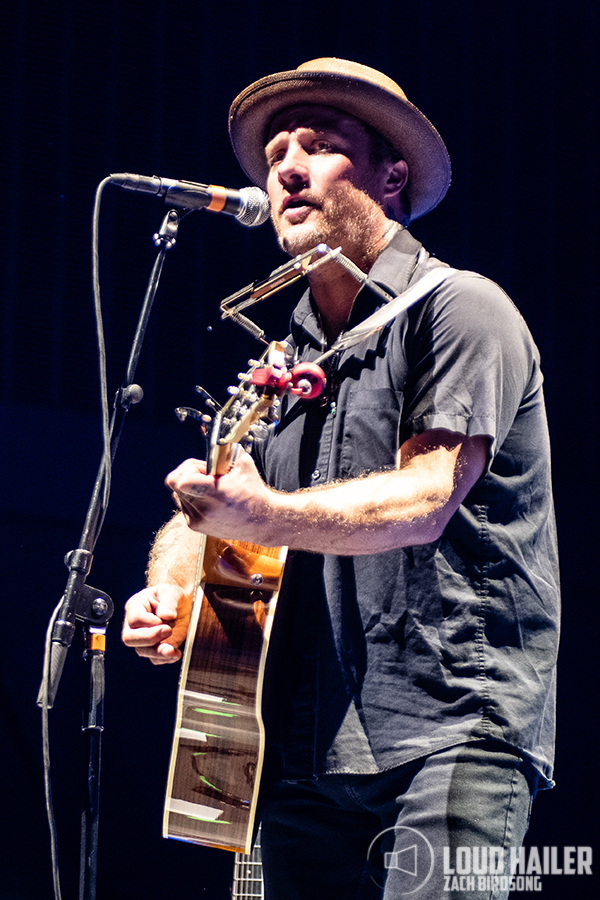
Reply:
x=315 y=475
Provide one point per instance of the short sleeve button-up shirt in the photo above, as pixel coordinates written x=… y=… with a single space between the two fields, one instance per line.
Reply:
x=377 y=660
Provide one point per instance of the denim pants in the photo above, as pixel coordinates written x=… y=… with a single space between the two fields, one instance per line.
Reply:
x=441 y=826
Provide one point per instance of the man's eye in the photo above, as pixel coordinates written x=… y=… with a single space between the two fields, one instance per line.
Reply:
x=323 y=146
x=275 y=157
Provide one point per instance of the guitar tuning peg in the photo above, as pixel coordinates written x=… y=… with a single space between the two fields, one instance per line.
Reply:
x=210 y=401
x=259 y=431
x=187 y=412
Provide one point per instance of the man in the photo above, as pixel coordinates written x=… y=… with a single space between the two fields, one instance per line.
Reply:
x=411 y=681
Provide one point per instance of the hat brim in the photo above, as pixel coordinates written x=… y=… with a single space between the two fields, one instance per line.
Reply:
x=398 y=120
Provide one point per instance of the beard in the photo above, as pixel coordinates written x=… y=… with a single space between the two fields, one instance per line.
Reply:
x=348 y=218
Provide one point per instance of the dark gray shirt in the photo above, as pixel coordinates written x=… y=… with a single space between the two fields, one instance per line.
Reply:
x=377 y=660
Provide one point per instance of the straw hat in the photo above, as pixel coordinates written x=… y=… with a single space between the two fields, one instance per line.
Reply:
x=356 y=89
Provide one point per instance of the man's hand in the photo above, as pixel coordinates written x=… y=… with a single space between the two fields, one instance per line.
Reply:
x=234 y=505
x=156 y=622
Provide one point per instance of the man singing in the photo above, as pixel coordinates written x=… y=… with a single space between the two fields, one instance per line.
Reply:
x=412 y=672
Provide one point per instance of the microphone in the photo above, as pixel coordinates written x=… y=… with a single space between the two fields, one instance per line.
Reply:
x=250 y=205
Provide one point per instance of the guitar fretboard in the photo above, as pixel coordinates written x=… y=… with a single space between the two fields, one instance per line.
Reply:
x=247 y=875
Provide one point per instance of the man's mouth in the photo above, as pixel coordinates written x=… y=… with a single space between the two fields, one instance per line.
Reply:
x=292 y=207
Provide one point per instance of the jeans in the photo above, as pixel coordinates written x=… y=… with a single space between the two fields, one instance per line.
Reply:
x=441 y=826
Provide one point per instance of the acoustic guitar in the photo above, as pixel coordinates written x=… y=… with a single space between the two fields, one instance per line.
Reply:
x=218 y=744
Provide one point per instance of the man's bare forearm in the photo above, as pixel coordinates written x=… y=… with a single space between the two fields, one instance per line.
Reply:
x=360 y=517
x=386 y=510
x=174 y=555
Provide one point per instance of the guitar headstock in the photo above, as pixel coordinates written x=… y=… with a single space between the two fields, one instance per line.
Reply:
x=248 y=414
x=253 y=407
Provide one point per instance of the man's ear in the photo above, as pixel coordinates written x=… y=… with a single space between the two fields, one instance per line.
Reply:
x=396 y=180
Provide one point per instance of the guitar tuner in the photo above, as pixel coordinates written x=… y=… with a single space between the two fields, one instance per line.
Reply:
x=210 y=401
x=306 y=380
x=252 y=410
x=188 y=412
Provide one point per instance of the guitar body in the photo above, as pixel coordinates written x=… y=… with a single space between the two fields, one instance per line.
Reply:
x=218 y=745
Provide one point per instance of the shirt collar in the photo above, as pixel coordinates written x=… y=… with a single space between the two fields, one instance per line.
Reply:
x=392 y=271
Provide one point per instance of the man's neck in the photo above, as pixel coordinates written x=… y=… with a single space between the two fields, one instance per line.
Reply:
x=334 y=290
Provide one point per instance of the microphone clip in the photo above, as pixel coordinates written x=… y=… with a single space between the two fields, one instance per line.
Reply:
x=166 y=236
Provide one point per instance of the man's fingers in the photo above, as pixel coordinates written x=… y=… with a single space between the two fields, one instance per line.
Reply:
x=189 y=469
x=153 y=605
x=150 y=636
x=156 y=622
x=160 y=655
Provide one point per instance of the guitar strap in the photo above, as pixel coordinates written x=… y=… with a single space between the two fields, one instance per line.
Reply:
x=396 y=305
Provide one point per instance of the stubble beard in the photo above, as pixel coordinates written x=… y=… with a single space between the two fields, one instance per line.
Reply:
x=349 y=218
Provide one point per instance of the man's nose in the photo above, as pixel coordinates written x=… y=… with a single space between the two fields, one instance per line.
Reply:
x=293 y=168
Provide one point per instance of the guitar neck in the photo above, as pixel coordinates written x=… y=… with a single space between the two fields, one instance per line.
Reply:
x=247 y=875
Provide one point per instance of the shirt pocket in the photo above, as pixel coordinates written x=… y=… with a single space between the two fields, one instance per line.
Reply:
x=369 y=441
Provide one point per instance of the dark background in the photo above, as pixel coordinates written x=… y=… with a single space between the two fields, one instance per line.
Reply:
x=91 y=89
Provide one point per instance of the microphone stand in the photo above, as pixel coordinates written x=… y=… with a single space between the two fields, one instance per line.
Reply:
x=93 y=608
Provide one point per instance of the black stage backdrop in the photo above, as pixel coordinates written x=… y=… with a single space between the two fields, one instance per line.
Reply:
x=91 y=89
